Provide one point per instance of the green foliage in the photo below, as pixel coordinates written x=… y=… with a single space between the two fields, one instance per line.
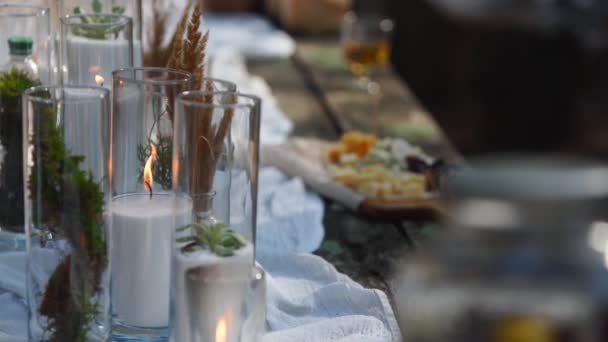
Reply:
x=68 y=202
x=97 y=32
x=89 y=311
x=162 y=167
x=59 y=181
x=14 y=82
x=218 y=238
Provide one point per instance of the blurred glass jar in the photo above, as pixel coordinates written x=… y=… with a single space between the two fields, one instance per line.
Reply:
x=515 y=264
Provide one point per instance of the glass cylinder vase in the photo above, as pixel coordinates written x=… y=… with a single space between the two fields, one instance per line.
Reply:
x=216 y=135
x=66 y=201
x=24 y=59
x=93 y=46
x=142 y=203
x=129 y=8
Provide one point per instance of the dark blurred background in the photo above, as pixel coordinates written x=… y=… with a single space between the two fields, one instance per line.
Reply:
x=501 y=75
x=504 y=84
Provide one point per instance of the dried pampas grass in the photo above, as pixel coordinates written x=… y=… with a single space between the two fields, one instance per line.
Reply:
x=188 y=53
x=156 y=53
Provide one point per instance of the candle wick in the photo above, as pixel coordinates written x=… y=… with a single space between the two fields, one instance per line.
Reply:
x=149 y=188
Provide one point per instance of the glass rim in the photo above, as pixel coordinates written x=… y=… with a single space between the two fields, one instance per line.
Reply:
x=120 y=74
x=384 y=22
x=29 y=94
x=121 y=20
x=183 y=97
x=36 y=11
x=211 y=193
x=225 y=82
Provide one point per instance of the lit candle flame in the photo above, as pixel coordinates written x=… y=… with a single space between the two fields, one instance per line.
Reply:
x=99 y=79
x=220 y=331
x=148 y=179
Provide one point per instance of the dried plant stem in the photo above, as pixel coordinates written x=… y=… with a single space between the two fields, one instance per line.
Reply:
x=206 y=139
x=157 y=54
x=176 y=46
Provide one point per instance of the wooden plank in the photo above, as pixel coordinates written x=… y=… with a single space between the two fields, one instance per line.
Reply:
x=395 y=112
x=294 y=98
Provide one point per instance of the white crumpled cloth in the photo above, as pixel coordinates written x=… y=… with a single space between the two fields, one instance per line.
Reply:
x=307 y=299
x=253 y=35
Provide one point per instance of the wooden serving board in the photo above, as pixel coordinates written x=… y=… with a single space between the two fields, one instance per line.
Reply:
x=305 y=158
x=418 y=209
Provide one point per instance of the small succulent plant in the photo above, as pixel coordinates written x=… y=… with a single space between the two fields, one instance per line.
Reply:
x=97 y=17
x=217 y=237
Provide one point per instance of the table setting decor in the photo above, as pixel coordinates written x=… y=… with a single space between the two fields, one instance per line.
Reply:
x=24 y=36
x=93 y=46
x=65 y=216
x=142 y=212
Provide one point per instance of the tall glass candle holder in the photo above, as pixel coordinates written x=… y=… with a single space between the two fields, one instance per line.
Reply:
x=24 y=57
x=66 y=201
x=142 y=202
x=93 y=46
x=129 y=8
x=214 y=132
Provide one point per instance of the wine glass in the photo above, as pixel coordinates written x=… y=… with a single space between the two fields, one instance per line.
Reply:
x=366 y=41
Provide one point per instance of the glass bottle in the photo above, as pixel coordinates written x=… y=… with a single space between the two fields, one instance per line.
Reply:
x=20 y=56
x=11 y=177
x=24 y=63
x=515 y=263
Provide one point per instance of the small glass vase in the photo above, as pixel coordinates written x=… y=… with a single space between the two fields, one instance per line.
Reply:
x=23 y=63
x=216 y=136
x=93 y=46
x=66 y=198
x=128 y=8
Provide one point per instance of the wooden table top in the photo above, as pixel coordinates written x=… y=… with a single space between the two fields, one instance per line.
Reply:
x=314 y=88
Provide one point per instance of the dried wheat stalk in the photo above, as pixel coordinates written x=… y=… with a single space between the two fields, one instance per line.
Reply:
x=156 y=53
x=206 y=140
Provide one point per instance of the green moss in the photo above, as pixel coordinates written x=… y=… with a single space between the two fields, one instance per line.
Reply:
x=69 y=202
x=14 y=82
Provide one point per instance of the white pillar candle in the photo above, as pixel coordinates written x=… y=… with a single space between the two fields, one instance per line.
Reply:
x=141 y=251
x=88 y=58
x=209 y=289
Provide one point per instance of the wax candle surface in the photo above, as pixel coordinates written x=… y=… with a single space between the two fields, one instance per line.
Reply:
x=141 y=235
